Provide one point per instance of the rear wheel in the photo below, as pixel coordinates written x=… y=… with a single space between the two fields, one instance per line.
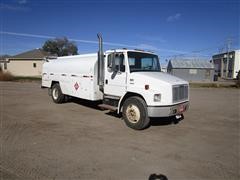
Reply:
x=135 y=113
x=57 y=95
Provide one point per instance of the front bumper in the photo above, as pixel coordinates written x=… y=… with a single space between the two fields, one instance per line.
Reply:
x=166 y=111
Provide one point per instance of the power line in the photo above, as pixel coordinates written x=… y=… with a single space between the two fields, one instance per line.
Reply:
x=229 y=43
x=148 y=47
x=178 y=53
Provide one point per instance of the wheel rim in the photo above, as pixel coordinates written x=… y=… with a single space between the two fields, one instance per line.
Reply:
x=133 y=113
x=55 y=93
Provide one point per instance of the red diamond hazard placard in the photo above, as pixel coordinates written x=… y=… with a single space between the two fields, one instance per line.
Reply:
x=76 y=86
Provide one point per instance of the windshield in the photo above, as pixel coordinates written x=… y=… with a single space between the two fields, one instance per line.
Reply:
x=143 y=62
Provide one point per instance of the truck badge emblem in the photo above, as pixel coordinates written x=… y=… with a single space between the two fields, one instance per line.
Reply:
x=76 y=86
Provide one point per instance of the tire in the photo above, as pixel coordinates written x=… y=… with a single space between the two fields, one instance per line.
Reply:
x=135 y=113
x=57 y=95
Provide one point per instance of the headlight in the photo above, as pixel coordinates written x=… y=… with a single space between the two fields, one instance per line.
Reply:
x=157 y=97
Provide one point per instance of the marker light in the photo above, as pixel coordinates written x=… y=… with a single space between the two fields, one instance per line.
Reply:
x=146 y=86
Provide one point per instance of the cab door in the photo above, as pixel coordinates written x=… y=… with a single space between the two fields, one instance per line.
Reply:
x=115 y=75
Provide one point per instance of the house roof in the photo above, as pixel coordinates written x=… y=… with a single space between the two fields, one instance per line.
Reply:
x=191 y=64
x=3 y=57
x=32 y=54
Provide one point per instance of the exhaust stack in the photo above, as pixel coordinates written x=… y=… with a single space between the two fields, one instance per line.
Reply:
x=100 y=63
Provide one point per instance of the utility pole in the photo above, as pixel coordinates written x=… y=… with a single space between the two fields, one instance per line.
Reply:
x=229 y=42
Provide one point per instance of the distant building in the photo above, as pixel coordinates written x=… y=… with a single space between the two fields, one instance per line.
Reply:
x=191 y=70
x=3 y=62
x=164 y=68
x=27 y=64
x=226 y=64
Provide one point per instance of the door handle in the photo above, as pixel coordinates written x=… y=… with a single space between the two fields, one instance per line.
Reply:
x=106 y=81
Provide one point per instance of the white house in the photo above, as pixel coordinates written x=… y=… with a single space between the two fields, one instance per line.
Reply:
x=26 y=64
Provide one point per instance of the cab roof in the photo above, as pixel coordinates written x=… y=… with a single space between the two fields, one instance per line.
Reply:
x=127 y=50
x=105 y=52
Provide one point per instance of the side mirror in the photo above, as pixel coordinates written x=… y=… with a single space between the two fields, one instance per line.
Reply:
x=115 y=65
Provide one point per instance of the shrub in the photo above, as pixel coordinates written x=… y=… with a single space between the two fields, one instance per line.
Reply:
x=6 y=76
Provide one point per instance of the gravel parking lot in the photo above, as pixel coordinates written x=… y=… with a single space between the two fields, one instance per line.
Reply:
x=75 y=140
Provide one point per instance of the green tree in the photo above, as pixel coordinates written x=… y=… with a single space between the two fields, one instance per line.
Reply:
x=60 y=47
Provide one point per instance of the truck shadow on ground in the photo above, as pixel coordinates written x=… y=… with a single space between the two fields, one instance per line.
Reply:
x=164 y=121
x=86 y=103
x=159 y=121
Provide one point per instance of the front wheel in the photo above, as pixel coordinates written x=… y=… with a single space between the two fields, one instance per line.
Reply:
x=57 y=95
x=135 y=113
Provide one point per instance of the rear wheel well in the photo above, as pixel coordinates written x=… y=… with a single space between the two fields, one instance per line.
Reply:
x=54 y=82
x=129 y=94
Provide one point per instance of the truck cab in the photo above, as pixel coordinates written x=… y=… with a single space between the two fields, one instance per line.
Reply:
x=134 y=84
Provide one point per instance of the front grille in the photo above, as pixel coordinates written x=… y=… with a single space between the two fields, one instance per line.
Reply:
x=180 y=93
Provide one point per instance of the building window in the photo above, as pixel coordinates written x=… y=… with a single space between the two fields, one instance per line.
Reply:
x=34 y=65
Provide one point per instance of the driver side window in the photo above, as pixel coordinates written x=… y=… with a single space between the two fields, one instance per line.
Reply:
x=116 y=62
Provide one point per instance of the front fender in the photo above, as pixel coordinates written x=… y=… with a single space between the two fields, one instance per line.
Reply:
x=125 y=96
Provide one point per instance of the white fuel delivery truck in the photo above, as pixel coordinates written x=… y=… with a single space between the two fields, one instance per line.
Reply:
x=129 y=82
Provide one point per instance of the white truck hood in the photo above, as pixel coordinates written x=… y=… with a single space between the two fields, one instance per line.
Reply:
x=152 y=77
x=158 y=82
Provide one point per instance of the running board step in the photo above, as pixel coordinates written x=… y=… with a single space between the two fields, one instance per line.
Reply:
x=108 y=107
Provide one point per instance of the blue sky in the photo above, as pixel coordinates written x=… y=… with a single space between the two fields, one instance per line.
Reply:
x=169 y=28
